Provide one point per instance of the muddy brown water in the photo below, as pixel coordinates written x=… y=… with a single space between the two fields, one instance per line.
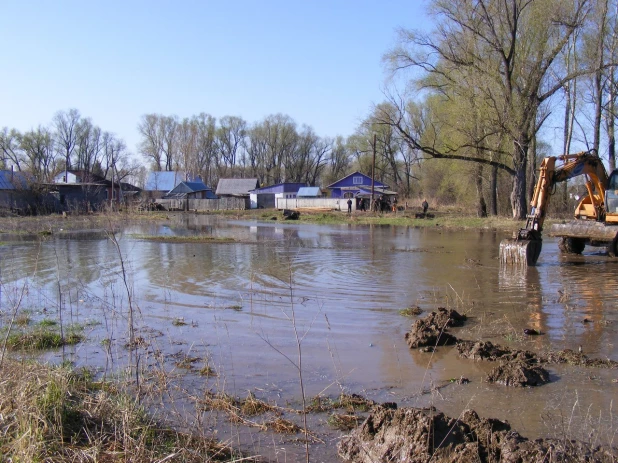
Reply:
x=236 y=306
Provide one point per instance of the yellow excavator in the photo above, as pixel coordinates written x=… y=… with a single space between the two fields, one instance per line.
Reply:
x=596 y=215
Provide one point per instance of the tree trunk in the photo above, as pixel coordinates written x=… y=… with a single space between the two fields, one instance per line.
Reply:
x=611 y=132
x=531 y=174
x=518 y=193
x=481 y=205
x=493 y=191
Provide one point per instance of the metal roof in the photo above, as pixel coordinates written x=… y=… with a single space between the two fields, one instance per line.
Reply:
x=165 y=181
x=286 y=187
x=236 y=186
x=184 y=188
x=309 y=191
x=11 y=180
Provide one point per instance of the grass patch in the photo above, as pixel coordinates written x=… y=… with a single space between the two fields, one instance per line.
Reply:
x=187 y=362
x=354 y=403
x=343 y=422
x=45 y=335
x=41 y=339
x=184 y=239
x=320 y=404
x=252 y=406
x=411 y=311
x=23 y=319
x=57 y=414
x=282 y=426
x=46 y=322
x=237 y=308
x=207 y=370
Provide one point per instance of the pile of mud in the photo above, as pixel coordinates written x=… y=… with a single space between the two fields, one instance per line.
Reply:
x=433 y=330
x=518 y=368
x=423 y=435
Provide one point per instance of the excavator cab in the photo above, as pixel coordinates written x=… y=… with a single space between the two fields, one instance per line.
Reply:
x=611 y=194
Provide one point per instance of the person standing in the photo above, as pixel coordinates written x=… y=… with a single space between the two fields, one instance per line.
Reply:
x=425 y=205
x=350 y=206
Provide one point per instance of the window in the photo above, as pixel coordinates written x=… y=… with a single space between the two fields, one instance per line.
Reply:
x=357 y=180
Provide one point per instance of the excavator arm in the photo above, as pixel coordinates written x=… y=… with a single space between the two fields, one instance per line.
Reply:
x=526 y=246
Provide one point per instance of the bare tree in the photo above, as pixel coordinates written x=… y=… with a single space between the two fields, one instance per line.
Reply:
x=88 y=145
x=230 y=139
x=39 y=154
x=206 y=149
x=9 y=148
x=151 y=144
x=511 y=46
x=66 y=131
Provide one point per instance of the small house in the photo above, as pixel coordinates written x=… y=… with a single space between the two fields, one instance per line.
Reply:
x=80 y=190
x=351 y=185
x=15 y=192
x=236 y=187
x=266 y=197
x=191 y=190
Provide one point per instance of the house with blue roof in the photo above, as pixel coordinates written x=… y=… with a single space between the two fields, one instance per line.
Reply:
x=15 y=192
x=191 y=190
x=353 y=185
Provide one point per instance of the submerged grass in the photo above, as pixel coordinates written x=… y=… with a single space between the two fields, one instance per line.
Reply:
x=184 y=239
x=41 y=338
x=57 y=414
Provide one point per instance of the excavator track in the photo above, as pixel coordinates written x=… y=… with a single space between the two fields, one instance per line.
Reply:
x=588 y=230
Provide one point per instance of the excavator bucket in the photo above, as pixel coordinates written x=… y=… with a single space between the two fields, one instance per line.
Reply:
x=520 y=252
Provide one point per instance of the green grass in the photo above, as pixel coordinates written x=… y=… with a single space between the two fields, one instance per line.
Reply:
x=184 y=239
x=411 y=311
x=43 y=337
x=46 y=322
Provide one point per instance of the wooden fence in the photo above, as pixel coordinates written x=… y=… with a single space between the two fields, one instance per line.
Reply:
x=201 y=205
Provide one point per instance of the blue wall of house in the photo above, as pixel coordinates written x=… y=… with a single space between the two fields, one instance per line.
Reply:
x=354 y=180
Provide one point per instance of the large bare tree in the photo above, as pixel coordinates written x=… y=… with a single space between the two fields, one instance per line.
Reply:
x=511 y=47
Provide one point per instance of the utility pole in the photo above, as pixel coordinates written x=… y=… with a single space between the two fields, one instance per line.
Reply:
x=111 y=200
x=373 y=171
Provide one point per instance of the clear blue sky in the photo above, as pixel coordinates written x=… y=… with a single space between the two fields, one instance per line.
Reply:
x=317 y=61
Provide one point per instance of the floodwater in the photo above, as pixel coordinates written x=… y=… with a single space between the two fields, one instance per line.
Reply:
x=332 y=294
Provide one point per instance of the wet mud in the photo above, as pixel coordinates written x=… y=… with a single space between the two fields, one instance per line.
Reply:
x=433 y=330
x=517 y=368
x=423 y=435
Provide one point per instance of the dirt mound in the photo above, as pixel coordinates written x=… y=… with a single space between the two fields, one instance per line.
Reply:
x=415 y=435
x=486 y=350
x=576 y=358
x=432 y=330
x=518 y=374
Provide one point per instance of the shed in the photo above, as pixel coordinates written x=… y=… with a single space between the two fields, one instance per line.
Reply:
x=80 y=190
x=15 y=192
x=309 y=192
x=239 y=187
x=191 y=190
x=266 y=197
